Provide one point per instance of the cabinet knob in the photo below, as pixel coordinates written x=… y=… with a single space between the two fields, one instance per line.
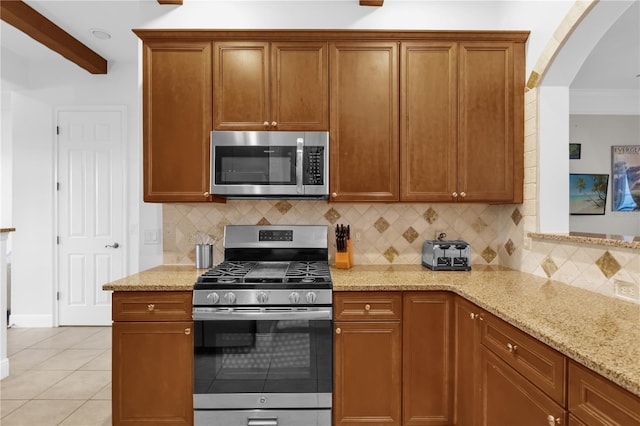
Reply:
x=338 y=330
x=463 y=194
x=334 y=194
x=367 y=307
x=473 y=316
x=151 y=307
x=187 y=331
x=454 y=194
x=274 y=123
x=553 y=420
x=512 y=348
x=206 y=194
x=266 y=124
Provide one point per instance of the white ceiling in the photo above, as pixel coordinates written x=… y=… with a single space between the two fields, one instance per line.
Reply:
x=613 y=63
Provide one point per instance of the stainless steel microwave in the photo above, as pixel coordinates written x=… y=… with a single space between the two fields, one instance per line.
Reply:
x=270 y=164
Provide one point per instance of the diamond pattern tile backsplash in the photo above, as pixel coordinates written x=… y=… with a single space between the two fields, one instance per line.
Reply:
x=381 y=233
x=394 y=233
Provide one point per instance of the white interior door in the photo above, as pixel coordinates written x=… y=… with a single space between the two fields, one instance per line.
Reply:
x=91 y=198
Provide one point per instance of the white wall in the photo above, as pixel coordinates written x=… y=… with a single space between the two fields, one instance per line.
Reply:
x=555 y=107
x=59 y=83
x=33 y=244
x=596 y=134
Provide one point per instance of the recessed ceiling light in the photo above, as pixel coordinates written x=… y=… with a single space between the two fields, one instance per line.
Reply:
x=100 y=34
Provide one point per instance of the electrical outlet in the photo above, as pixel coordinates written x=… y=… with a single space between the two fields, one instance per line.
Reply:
x=358 y=237
x=626 y=290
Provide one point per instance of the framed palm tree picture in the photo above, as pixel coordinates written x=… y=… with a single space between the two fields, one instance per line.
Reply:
x=588 y=193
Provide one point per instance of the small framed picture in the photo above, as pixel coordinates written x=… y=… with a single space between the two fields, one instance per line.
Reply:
x=574 y=151
x=588 y=193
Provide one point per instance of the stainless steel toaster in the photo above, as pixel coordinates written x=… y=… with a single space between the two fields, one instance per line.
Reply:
x=446 y=255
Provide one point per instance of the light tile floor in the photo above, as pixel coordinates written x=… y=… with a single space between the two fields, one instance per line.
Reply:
x=58 y=376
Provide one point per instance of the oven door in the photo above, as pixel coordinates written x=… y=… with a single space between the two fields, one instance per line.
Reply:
x=263 y=358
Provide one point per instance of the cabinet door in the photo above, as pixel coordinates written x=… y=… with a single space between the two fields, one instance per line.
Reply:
x=176 y=96
x=596 y=401
x=367 y=373
x=428 y=121
x=490 y=147
x=241 y=85
x=152 y=373
x=364 y=121
x=467 y=366
x=299 y=86
x=509 y=399
x=427 y=352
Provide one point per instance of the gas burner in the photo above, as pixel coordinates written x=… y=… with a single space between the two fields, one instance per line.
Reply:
x=307 y=280
x=226 y=280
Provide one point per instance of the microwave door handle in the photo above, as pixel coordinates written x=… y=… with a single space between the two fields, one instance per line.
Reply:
x=299 y=152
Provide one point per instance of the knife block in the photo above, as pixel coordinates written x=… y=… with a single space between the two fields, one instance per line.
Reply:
x=344 y=259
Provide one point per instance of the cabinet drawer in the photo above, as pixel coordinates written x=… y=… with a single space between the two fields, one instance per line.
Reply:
x=543 y=366
x=367 y=306
x=594 y=400
x=152 y=305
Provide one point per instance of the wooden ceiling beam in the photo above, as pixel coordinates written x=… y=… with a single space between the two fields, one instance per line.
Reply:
x=371 y=2
x=22 y=16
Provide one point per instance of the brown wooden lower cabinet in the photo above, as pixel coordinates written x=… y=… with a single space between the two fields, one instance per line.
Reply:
x=393 y=358
x=427 y=359
x=152 y=358
x=367 y=359
x=594 y=400
x=507 y=398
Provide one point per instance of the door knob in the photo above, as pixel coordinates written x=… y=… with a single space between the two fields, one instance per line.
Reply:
x=114 y=245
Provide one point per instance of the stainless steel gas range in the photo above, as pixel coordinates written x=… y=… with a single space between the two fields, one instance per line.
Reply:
x=263 y=324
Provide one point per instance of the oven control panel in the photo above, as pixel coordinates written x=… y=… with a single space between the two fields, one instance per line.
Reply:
x=275 y=235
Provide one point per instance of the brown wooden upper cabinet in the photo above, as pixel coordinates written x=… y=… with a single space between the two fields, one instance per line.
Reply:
x=461 y=126
x=270 y=85
x=176 y=115
x=364 y=121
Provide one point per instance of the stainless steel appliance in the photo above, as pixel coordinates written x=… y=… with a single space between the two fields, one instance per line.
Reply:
x=263 y=330
x=270 y=164
x=446 y=255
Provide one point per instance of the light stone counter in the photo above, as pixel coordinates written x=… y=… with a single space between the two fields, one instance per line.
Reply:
x=160 y=278
x=599 y=332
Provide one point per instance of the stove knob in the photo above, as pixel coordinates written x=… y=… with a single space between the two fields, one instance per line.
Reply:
x=311 y=297
x=230 y=297
x=262 y=297
x=213 y=298
x=294 y=297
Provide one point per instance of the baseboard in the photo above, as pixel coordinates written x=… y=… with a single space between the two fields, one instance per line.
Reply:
x=19 y=321
x=4 y=368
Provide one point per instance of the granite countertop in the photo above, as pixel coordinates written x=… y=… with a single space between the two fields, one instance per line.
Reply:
x=610 y=240
x=597 y=331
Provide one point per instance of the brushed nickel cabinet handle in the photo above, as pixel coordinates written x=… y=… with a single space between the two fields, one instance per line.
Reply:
x=367 y=307
x=274 y=123
x=463 y=194
x=454 y=194
x=206 y=194
x=334 y=194
x=338 y=330
x=512 y=348
x=187 y=331
x=266 y=124
x=151 y=307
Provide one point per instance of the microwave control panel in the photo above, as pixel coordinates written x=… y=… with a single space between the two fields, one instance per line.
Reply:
x=313 y=165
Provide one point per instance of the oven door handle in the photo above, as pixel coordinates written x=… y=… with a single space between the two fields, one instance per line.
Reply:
x=230 y=314
x=262 y=422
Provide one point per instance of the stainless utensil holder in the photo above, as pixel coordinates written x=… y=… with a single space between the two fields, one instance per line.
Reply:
x=204 y=256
